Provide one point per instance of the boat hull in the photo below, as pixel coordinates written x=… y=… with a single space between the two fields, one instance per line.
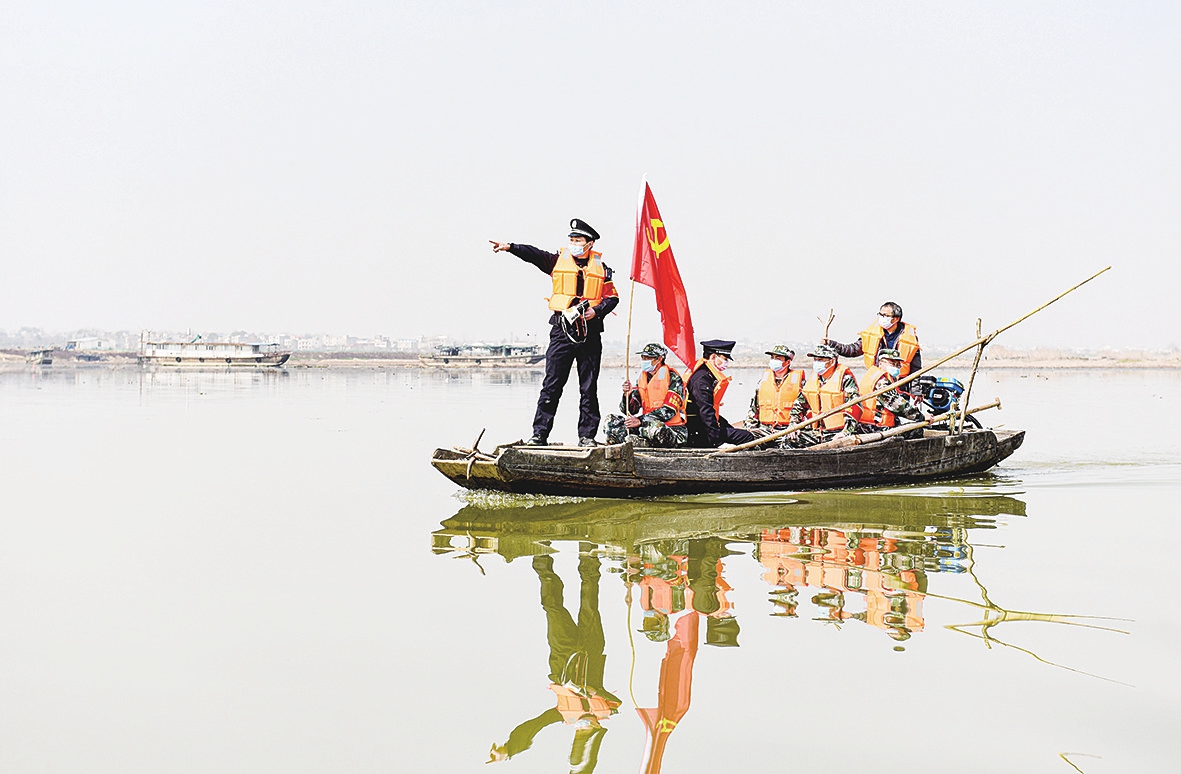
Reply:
x=625 y=471
x=468 y=361
x=247 y=361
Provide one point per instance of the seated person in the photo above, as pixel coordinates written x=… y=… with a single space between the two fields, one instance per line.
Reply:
x=770 y=408
x=654 y=411
x=830 y=385
x=882 y=412
x=886 y=332
x=707 y=384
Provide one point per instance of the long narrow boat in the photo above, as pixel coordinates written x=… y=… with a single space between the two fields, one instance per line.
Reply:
x=211 y=354
x=623 y=470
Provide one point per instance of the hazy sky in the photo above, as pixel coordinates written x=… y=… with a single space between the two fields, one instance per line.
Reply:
x=339 y=167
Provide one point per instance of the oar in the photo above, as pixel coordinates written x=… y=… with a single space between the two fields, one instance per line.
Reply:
x=881 y=435
x=904 y=380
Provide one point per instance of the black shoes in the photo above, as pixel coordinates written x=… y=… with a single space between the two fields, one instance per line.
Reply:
x=541 y=440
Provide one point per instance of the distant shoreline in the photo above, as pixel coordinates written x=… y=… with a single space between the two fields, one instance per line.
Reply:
x=995 y=358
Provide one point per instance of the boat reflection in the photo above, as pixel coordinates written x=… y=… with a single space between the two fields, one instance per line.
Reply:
x=854 y=557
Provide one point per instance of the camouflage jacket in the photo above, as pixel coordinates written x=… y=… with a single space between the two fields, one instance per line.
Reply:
x=848 y=386
x=674 y=401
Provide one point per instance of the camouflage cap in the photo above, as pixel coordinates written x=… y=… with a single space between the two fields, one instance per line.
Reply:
x=653 y=350
x=889 y=353
x=781 y=350
x=823 y=351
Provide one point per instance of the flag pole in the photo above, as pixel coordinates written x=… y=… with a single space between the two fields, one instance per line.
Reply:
x=627 y=355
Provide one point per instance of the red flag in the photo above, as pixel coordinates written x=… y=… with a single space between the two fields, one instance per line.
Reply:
x=653 y=265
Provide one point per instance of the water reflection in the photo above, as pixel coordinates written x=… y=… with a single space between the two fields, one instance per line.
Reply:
x=576 y=665
x=837 y=558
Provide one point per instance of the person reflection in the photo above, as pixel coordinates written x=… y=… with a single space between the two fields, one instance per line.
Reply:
x=576 y=665
x=680 y=583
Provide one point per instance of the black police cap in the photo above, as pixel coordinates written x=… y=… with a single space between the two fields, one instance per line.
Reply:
x=719 y=346
x=583 y=229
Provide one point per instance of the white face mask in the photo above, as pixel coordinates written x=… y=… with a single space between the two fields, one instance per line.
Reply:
x=722 y=363
x=775 y=364
x=894 y=371
x=820 y=366
x=884 y=321
x=577 y=250
x=649 y=366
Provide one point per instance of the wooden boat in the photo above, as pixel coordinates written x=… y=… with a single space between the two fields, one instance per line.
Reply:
x=623 y=470
x=467 y=355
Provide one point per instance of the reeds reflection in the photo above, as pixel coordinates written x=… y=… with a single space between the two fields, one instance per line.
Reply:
x=837 y=558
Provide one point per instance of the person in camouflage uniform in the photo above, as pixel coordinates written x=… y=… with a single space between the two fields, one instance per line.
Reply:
x=826 y=367
x=779 y=388
x=661 y=425
x=880 y=413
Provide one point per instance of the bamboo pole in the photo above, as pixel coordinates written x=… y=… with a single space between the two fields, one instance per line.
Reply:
x=881 y=435
x=906 y=379
x=831 y=317
x=971 y=378
x=627 y=354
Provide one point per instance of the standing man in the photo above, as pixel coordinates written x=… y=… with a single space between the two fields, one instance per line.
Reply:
x=770 y=408
x=582 y=294
x=707 y=427
x=653 y=411
x=887 y=332
x=831 y=384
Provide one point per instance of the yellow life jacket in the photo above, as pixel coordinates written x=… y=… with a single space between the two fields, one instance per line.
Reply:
x=775 y=402
x=871 y=413
x=654 y=393
x=565 y=278
x=719 y=388
x=822 y=397
x=907 y=345
x=574 y=705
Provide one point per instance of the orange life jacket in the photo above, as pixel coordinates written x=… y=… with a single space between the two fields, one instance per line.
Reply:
x=574 y=705
x=719 y=388
x=653 y=391
x=565 y=277
x=907 y=344
x=775 y=401
x=870 y=413
x=822 y=397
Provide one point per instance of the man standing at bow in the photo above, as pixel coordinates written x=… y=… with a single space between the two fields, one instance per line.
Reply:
x=886 y=332
x=582 y=294
x=707 y=385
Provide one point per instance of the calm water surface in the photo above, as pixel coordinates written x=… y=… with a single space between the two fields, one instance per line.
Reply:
x=224 y=572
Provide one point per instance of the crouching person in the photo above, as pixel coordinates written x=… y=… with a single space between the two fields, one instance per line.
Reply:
x=882 y=412
x=654 y=410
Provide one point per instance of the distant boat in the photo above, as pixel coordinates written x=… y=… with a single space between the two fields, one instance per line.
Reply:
x=483 y=355
x=211 y=354
x=40 y=357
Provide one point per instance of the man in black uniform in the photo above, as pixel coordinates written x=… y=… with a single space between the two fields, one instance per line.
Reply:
x=707 y=385
x=580 y=281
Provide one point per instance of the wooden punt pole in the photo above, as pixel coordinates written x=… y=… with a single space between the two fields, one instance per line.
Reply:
x=906 y=379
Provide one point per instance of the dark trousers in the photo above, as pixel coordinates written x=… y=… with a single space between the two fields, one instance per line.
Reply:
x=563 y=353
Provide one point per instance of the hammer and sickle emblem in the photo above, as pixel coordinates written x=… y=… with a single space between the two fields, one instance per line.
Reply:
x=654 y=234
